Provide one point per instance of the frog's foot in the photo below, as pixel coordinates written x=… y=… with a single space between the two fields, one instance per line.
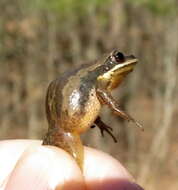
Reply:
x=103 y=127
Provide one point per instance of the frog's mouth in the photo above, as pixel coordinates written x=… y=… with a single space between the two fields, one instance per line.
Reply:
x=126 y=66
x=116 y=75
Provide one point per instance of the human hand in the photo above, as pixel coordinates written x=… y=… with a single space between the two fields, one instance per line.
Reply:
x=27 y=165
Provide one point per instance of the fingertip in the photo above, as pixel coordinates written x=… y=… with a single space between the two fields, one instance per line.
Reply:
x=103 y=172
x=48 y=168
x=10 y=151
x=100 y=164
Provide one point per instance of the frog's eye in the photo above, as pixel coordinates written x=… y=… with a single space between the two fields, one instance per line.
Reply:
x=119 y=56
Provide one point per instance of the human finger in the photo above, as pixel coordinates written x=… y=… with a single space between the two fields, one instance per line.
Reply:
x=45 y=167
x=103 y=172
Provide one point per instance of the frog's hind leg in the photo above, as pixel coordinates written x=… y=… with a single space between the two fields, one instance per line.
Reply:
x=70 y=142
x=103 y=127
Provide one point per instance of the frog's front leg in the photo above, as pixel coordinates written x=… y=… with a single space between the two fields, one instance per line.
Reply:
x=106 y=98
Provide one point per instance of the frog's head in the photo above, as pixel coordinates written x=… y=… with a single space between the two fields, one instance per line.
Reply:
x=115 y=67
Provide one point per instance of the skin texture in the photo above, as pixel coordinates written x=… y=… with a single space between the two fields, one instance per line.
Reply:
x=25 y=164
x=74 y=101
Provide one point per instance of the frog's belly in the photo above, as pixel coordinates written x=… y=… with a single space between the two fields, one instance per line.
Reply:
x=79 y=120
x=91 y=112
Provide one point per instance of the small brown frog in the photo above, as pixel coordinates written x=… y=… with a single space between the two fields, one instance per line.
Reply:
x=74 y=100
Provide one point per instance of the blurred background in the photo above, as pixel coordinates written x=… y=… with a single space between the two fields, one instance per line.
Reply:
x=41 y=39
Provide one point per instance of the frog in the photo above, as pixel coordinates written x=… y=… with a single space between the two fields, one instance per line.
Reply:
x=74 y=101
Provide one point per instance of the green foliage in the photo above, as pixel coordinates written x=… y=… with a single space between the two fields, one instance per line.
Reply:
x=161 y=7
x=68 y=7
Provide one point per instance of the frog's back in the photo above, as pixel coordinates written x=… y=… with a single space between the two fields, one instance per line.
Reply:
x=71 y=101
